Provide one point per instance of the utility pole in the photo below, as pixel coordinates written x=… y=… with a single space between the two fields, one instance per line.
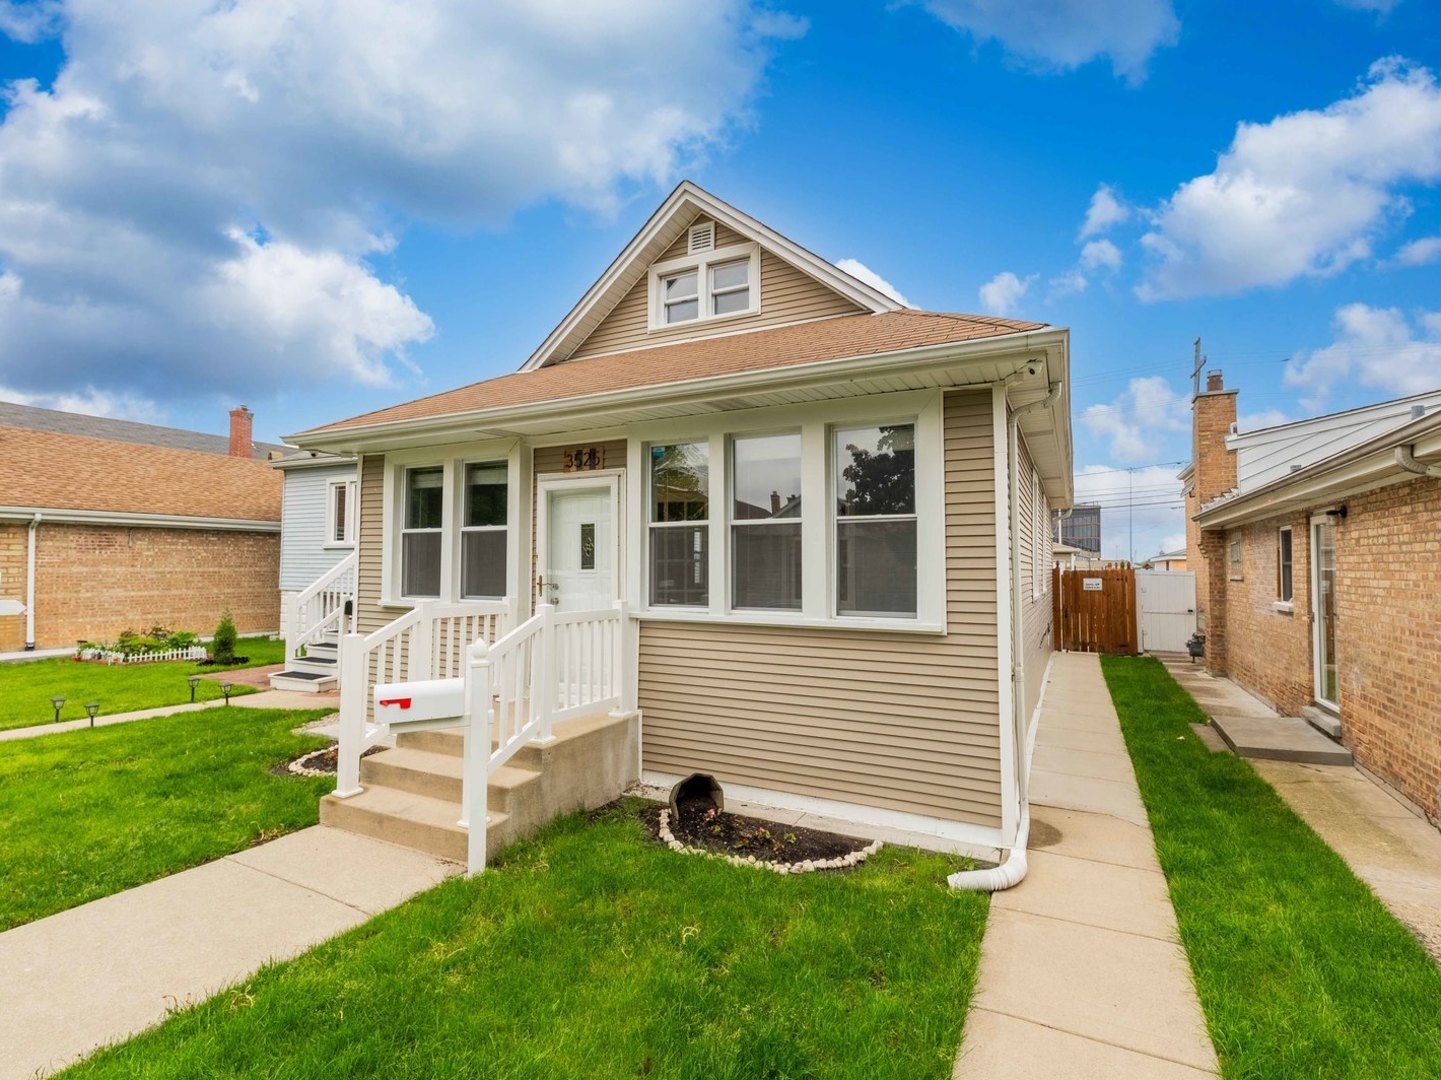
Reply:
x=1196 y=369
x=1131 y=514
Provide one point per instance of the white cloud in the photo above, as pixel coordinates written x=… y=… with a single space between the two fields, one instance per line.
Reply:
x=1101 y=255
x=1140 y=509
x=1257 y=420
x=1419 y=252
x=1378 y=347
x=1301 y=195
x=1064 y=34
x=1069 y=284
x=1380 y=7
x=1104 y=211
x=858 y=269
x=29 y=22
x=198 y=202
x=1002 y=293
x=1140 y=418
x=90 y=402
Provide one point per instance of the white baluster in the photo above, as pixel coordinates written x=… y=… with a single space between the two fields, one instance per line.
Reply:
x=476 y=776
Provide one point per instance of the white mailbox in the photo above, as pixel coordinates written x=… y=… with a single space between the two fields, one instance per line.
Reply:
x=427 y=703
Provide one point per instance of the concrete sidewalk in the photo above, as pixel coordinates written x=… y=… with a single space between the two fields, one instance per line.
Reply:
x=1384 y=839
x=1082 y=973
x=99 y=973
x=266 y=699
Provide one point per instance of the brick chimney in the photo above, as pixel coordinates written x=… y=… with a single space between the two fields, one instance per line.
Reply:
x=1213 y=414
x=241 y=422
x=775 y=503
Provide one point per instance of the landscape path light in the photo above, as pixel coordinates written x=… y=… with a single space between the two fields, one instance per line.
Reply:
x=92 y=708
x=225 y=689
x=194 y=681
x=57 y=702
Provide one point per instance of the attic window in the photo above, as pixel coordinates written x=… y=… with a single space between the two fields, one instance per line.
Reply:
x=719 y=283
x=702 y=238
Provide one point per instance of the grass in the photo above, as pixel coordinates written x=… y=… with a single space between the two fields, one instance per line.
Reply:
x=592 y=951
x=1301 y=971
x=89 y=813
x=29 y=685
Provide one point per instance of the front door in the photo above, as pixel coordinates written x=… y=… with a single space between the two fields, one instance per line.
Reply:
x=1323 y=575
x=579 y=558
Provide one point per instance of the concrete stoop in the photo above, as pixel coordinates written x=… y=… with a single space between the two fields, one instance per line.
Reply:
x=412 y=793
x=1323 y=720
x=1278 y=738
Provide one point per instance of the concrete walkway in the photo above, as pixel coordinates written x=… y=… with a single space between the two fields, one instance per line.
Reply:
x=99 y=973
x=266 y=699
x=1384 y=838
x=1082 y=973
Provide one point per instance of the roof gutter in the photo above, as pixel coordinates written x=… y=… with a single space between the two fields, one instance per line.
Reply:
x=124 y=518
x=465 y=422
x=1405 y=456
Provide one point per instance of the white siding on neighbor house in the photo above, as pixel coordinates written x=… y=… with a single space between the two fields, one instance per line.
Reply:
x=303 y=556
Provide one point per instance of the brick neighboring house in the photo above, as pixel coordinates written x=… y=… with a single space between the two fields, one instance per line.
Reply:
x=1317 y=550
x=107 y=525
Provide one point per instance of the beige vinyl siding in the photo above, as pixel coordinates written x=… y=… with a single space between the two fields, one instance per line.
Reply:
x=1036 y=612
x=787 y=295
x=369 y=615
x=906 y=722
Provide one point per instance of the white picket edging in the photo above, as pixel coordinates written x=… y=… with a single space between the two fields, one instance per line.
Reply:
x=189 y=652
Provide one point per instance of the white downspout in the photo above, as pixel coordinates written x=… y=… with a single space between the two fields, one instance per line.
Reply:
x=1406 y=458
x=30 y=584
x=1013 y=870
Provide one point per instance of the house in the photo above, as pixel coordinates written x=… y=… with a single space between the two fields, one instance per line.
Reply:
x=1316 y=548
x=1168 y=560
x=319 y=523
x=748 y=510
x=108 y=525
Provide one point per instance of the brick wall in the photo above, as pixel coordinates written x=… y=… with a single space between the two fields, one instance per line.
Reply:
x=1265 y=647
x=95 y=581
x=1388 y=597
x=12 y=585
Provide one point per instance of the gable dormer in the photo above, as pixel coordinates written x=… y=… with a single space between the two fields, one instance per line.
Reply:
x=700 y=268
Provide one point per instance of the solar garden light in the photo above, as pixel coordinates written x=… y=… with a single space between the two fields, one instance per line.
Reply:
x=194 y=681
x=92 y=708
x=225 y=689
x=57 y=702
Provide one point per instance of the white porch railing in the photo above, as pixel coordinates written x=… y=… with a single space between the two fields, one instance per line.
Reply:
x=553 y=667
x=427 y=642
x=320 y=609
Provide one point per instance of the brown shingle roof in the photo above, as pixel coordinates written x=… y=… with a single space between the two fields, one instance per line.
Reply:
x=801 y=343
x=56 y=471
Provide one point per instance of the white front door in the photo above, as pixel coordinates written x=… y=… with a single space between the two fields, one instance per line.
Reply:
x=579 y=559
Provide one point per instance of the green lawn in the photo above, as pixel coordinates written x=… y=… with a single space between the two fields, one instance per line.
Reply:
x=26 y=687
x=88 y=813
x=593 y=952
x=1301 y=970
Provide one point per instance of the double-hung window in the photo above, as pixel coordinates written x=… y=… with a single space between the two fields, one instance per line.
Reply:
x=680 y=294
x=730 y=287
x=340 y=513
x=716 y=284
x=679 y=524
x=420 y=535
x=1283 y=566
x=766 y=522
x=875 y=496
x=483 y=532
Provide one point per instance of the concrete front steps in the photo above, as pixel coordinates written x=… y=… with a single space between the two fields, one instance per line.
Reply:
x=1323 y=720
x=314 y=673
x=412 y=793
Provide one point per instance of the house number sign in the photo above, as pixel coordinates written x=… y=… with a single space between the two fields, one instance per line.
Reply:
x=1091 y=584
x=584 y=458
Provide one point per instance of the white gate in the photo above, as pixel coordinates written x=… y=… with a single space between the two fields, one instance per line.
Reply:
x=1165 y=609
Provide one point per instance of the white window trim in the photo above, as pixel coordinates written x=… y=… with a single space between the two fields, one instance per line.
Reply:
x=835 y=519
x=815 y=421
x=648 y=501
x=352 y=515
x=702 y=263
x=452 y=459
x=731 y=521
x=463 y=529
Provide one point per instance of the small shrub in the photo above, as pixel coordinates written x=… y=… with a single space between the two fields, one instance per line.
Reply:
x=223 y=645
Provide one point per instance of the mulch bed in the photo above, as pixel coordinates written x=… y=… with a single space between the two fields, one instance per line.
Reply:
x=325 y=761
x=700 y=825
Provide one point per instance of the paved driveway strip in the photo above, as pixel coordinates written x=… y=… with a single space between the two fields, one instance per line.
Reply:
x=99 y=973
x=1082 y=972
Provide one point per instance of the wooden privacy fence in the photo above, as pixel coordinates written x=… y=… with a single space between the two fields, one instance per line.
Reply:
x=1095 y=610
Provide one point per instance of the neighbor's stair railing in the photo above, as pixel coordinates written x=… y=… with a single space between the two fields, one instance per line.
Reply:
x=553 y=667
x=325 y=607
x=427 y=642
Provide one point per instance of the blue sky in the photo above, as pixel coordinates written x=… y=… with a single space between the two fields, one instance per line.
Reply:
x=203 y=204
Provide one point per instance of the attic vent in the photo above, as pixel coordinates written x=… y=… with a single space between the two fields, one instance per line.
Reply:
x=702 y=238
